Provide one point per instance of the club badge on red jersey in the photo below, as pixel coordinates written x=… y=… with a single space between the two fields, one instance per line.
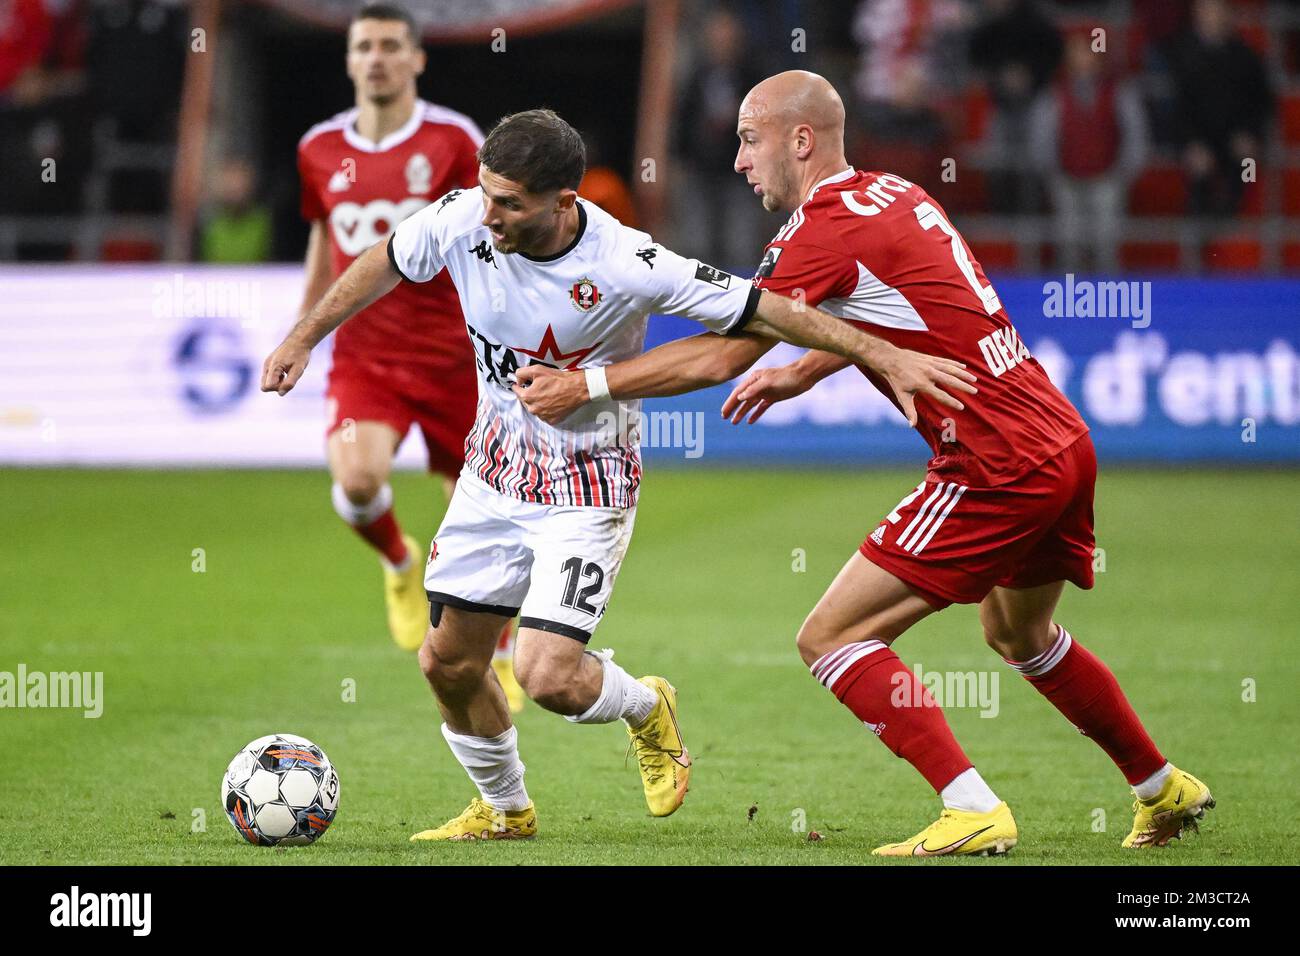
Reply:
x=419 y=175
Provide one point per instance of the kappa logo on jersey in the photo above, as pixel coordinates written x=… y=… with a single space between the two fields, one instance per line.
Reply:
x=448 y=198
x=356 y=227
x=714 y=276
x=584 y=295
x=419 y=175
x=647 y=255
x=769 y=263
x=498 y=362
x=484 y=252
x=433 y=553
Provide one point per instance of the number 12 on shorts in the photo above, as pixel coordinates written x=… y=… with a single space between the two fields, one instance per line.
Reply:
x=577 y=597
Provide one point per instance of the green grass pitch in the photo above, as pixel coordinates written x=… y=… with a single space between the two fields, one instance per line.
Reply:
x=1197 y=606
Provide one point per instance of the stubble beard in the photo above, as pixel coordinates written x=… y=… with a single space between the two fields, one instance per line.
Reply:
x=779 y=199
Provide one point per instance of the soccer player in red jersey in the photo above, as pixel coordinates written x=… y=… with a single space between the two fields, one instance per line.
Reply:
x=1003 y=517
x=405 y=359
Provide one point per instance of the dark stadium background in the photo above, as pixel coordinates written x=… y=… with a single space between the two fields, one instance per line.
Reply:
x=133 y=438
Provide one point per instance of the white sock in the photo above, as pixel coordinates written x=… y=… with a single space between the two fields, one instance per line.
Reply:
x=968 y=791
x=493 y=764
x=621 y=695
x=361 y=515
x=1149 y=787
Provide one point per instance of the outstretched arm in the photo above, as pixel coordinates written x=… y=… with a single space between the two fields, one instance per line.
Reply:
x=370 y=276
x=704 y=360
x=908 y=373
x=765 y=386
x=683 y=365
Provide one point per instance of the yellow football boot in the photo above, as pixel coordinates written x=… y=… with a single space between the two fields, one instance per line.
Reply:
x=483 y=822
x=960 y=832
x=1180 y=805
x=505 y=671
x=408 y=605
x=664 y=760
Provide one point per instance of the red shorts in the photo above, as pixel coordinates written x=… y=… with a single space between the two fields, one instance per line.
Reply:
x=400 y=395
x=953 y=544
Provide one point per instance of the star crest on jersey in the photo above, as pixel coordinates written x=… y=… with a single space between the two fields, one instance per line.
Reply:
x=548 y=348
x=585 y=295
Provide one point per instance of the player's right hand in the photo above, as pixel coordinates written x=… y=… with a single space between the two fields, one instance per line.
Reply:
x=284 y=366
x=914 y=373
x=760 y=389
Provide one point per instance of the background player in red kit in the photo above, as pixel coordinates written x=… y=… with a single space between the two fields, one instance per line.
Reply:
x=406 y=358
x=1003 y=517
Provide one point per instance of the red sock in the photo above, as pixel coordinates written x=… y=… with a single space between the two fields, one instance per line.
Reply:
x=374 y=521
x=1083 y=689
x=385 y=536
x=869 y=679
x=506 y=641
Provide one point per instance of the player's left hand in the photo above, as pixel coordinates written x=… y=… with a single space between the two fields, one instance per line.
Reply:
x=551 y=394
x=914 y=373
x=284 y=366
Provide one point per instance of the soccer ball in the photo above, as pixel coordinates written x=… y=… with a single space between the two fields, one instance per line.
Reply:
x=280 y=789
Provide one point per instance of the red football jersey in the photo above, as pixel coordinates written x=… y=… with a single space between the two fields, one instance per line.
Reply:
x=363 y=190
x=876 y=250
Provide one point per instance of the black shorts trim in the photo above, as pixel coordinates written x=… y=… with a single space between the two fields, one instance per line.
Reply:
x=437 y=599
x=568 y=630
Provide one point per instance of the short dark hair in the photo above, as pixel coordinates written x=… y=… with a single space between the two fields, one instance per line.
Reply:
x=389 y=11
x=537 y=149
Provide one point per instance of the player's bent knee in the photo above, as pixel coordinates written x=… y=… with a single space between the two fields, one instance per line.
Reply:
x=360 y=485
x=815 y=639
x=1017 y=644
x=449 y=678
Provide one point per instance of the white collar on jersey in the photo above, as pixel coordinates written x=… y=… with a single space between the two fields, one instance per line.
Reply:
x=399 y=135
x=832 y=179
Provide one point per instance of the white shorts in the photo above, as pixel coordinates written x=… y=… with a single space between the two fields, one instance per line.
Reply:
x=553 y=565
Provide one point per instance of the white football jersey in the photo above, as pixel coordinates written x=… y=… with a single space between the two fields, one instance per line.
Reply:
x=586 y=305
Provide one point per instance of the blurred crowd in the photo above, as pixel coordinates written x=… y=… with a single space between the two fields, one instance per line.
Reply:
x=1083 y=117
x=1023 y=109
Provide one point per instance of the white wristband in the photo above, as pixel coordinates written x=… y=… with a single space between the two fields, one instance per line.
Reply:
x=597 y=386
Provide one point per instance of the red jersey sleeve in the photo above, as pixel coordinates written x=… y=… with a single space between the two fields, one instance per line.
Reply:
x=467 y=167
x=807 y=268
x=309 y=202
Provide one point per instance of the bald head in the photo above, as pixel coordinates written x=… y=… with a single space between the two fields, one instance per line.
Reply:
x=791 y=128
x=797 y=97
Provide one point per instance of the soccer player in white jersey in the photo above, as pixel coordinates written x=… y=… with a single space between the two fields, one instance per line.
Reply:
x=542 y=514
